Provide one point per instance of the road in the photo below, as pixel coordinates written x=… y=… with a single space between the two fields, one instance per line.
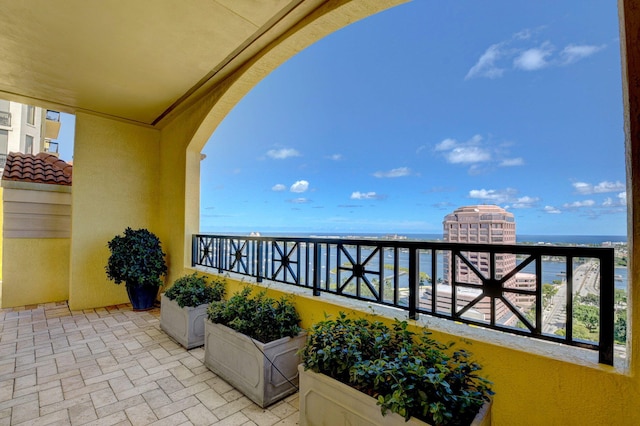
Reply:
x=586 y=279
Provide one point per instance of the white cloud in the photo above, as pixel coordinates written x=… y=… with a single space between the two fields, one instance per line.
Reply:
x=619 y=201
x=283 y=153
x=533 y=59
x=335 y=157
x=579 y=204
x=357 y=195
x=510 y=162
x=446 y=145
x=486 y=65
x=495 y=196
x=602 y=187
x=622 y=198
x=299 y=186
x=468 y=154
x=393 y=173
x=300 y=200
x=525 y=202
x=278 y=187
x=525 y=56
x=551 y=210
x=573 y=53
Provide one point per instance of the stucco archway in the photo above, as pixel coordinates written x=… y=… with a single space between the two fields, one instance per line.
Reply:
x=192 y=128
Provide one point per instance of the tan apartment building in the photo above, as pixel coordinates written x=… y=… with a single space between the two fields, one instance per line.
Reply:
x=481 y=224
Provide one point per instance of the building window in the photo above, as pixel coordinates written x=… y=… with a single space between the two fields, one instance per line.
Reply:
x=31 y=115
x=28 y=144
x=4 y=147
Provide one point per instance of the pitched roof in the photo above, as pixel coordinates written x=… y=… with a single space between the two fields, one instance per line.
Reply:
x=41 y=168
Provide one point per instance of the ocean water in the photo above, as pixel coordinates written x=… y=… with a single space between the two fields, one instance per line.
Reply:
x=552 y=239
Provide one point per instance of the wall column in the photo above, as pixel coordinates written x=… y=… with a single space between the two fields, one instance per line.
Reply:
x=115 y=185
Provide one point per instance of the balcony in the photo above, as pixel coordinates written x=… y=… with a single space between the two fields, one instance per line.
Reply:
x=399 y=275
x=52 y=124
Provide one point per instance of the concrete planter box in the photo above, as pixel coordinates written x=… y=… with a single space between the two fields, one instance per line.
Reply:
x=185 y=325
x=239 y=360
x=326 y=401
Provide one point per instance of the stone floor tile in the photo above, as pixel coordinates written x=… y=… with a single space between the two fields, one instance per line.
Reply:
x=156 y=398
x=56 y=418
x=137 y=390
x=219 y=385
x=283 y=409
x=260 y=416
x=191 y=390
x=113 y=366
x=80 y=414
x=25 y=381
x=170 y=384
x=23 y=412
x=104 y=377
x=86 y=390
x=10 y=403
x=103 y=397
x=72 y=382
x=292 y=420
x=51 y=395
x=180 y=372
x=232 y=407
x=177 y=419
x=232 y=395
x=140 y=414
x=170 y=409
x=65 y=404
x=236 y=419
x=118 y=418
x=211 y=399
x=6 y=390
x=199 y=415
x=119 y=406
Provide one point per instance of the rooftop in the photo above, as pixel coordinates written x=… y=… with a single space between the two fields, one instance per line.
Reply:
x=41 y=168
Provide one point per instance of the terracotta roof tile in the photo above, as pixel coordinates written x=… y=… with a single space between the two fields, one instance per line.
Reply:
x=41 y=168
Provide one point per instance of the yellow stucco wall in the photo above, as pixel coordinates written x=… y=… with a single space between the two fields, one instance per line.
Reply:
x=1 y=242
x=36 y=272
x=115 y=185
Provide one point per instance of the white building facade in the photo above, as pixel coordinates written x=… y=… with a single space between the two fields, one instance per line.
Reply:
x=27 y=129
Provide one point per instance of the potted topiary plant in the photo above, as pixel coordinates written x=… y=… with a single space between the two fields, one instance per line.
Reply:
x=253 y=343
x=356 y=370
x=184 y=308
x=137 y=260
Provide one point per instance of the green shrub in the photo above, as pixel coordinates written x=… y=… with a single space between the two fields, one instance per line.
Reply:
x=262 y=318
x=409 y=374
x=136 y=259
x=193 y=290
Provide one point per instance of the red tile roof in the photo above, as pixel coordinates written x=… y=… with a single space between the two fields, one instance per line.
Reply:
x=40 y=168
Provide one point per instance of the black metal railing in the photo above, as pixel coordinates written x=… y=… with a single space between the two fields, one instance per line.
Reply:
x=496 y=286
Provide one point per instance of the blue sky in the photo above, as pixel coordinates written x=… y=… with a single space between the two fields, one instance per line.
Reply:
x=397 y=120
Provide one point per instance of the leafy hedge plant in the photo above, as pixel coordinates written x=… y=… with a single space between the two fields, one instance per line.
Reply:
x=262 y=318
x=193 y=290
x=409 y=374
x=136 y=259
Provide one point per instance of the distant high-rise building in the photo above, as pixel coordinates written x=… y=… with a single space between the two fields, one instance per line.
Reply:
x=481 y=224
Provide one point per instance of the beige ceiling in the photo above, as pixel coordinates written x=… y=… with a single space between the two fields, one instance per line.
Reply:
x=133 y=59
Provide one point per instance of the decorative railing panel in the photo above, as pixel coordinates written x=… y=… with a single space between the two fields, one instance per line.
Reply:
x=521 y=289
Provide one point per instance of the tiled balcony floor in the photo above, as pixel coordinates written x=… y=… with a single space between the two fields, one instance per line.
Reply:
x=113 y=366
